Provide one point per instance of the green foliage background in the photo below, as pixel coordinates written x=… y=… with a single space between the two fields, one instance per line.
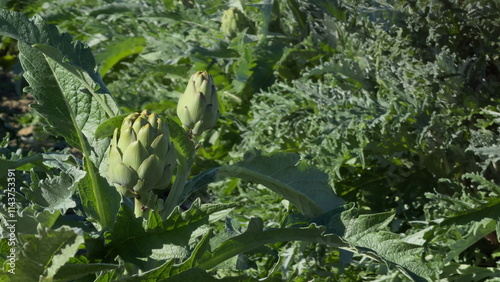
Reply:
x=396 y=100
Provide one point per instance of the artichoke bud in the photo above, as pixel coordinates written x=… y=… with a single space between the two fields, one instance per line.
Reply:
x=146 y=135
x=198 y=107
x=153 y=121
x=123 y=175
x=170 y=159
x=159 y=146
x=163 y=129
x=139 y=123
x=134 y=155
x=233 y=21
x=129 y=120
x=127 y=136
x=191 y=107
x=140 y=154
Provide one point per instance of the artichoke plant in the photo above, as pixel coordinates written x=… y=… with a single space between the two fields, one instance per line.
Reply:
x=141 y=156
x=198 y=106
x=233 y=21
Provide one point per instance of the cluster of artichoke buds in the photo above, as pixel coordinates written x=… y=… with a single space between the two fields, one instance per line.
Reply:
x=141 y=156
x=198 y=106
x=233 y=21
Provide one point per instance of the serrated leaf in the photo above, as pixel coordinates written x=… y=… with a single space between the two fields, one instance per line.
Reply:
x=465 y=272
x=304 y=186
x=490 y=209
x=71 y=271
x=255 y=237
x=72 y=98
x=55 y=192
x=470 y=208
x=81 y=66
x=44 y=254
x=169 y=251
x=477 y=231
x=75 y=57
x=483 y=182
x=202 y=247
x=356 y=228
x=31 y=217
x=130 y=240
x=64 y=162
x=53 y=95
x=369 y=236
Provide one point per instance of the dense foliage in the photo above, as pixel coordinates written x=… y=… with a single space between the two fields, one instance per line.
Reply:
x=396 y=101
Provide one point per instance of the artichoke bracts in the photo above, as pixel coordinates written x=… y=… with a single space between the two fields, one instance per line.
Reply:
x=233 y=21
x=198 y=107
x=141 y=156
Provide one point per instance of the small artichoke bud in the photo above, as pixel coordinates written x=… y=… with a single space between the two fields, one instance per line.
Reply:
x=198 y=107
x=233 y=21
x=141 y=156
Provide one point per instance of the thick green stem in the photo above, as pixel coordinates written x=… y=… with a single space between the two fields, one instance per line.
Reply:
x=181 y=178
x=140 y=207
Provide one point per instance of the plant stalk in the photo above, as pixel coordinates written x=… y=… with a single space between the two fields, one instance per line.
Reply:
x=138 y=208
x=140 y=205
x=181 y=178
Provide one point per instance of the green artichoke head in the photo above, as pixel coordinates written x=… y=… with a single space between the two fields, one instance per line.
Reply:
x=198 y=106
x=233 y=21
x=141 y=156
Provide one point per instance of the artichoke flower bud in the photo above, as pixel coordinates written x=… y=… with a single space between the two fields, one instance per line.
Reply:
x=198 y=107
x=141 y=156
x=233 y=21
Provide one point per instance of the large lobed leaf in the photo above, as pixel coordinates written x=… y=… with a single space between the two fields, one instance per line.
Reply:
x=42 y=255
x=304 y=186
x=73 y=99
x=132 y=241
x=76 y=57
x=54 y=192
x=204 y=258
x=363 y=235
x=368 y=235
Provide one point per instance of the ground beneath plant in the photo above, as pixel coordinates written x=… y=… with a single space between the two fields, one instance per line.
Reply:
x=24 y=133
x=12 y=106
